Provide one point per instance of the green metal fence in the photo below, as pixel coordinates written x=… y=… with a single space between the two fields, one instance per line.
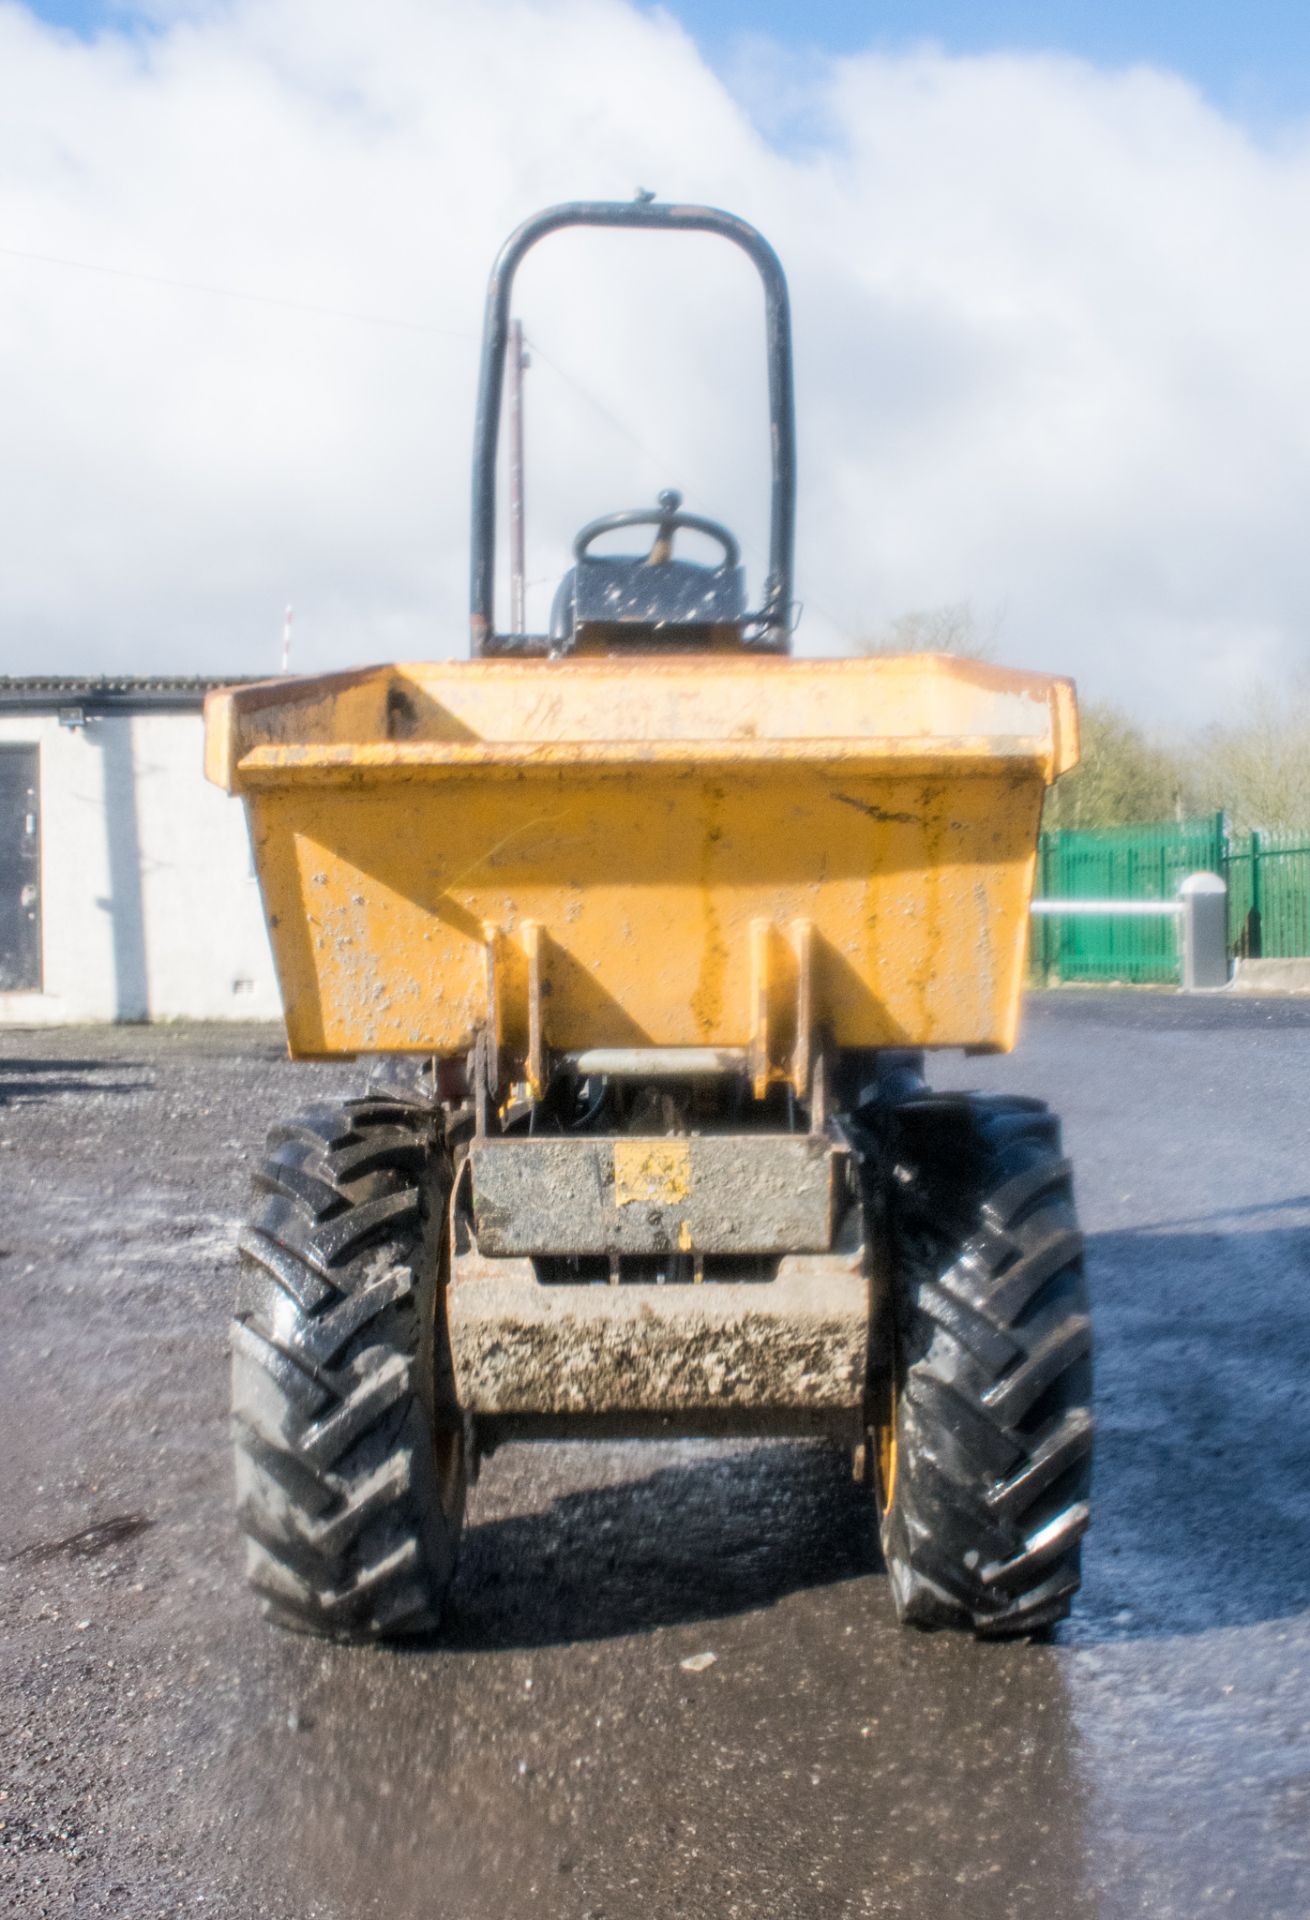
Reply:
x=1268 y=876
x=1121 y=863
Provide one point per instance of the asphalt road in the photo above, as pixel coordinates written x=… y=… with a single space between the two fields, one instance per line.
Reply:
x=164 y=1752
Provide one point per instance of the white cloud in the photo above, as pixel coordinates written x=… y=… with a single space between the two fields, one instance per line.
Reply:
x=1050 y=336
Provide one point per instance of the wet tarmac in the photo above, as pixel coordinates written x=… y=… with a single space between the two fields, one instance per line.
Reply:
x=164 y=1752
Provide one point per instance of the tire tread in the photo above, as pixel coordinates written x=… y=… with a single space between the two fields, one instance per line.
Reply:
x=994 y=1424
x=337 y=1490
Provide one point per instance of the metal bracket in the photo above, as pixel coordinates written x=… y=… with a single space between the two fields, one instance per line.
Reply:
x=533 y=942
x=781 y=1045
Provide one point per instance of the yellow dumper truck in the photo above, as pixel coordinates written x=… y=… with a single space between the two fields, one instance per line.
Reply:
x=652 y=924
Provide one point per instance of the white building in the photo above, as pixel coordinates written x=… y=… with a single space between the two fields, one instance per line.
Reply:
x=126 y=885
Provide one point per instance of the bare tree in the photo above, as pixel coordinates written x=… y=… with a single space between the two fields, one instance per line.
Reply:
x=953 y=629
x=1257 y=767
x=1122 y=779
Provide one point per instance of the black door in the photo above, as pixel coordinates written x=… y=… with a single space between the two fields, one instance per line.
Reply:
x=20 y=872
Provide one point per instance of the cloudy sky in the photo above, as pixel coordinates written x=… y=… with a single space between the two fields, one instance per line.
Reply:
x=1051 y=289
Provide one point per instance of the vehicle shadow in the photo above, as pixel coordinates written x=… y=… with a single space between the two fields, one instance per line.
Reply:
x=725 y=1532
x=1201 y=1500
x=30 y=1081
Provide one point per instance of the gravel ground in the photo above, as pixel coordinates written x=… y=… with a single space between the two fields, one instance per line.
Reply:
x=163 y=1752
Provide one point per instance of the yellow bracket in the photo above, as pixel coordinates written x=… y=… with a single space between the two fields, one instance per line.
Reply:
x=781 y=1045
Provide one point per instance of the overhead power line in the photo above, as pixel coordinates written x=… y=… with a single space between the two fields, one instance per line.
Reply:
x=235 y=293
x=606 y=412
x=214 y=291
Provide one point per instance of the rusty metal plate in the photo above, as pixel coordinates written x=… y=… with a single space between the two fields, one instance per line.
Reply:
x=719 y=1193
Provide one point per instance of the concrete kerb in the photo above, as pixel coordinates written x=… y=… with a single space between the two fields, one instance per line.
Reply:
x=1271 y=976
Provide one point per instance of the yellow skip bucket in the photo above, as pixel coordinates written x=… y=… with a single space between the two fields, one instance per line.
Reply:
x=709 y=852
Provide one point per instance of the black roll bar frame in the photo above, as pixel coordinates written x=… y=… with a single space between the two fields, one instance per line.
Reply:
x=771 y=626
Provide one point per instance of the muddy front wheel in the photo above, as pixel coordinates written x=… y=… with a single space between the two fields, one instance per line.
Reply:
x=984 y=1454
x=349 y=1451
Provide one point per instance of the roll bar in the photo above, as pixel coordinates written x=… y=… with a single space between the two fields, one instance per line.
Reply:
x=773 y=621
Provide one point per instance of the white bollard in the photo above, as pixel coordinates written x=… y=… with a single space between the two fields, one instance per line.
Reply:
x=1205 y=932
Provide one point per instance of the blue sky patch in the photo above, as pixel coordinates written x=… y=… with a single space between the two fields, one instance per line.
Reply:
x=1253 y=60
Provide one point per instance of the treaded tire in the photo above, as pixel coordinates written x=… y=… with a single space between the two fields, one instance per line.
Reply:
x=992 y=1406
x=349 y=1451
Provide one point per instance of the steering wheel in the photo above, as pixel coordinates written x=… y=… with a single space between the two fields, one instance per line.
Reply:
x=667 y=520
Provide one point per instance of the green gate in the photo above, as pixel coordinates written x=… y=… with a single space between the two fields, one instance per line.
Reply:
x=1268 y=876
x=1120 y=863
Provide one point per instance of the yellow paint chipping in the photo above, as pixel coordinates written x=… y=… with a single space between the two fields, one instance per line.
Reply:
x=653 y=1173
